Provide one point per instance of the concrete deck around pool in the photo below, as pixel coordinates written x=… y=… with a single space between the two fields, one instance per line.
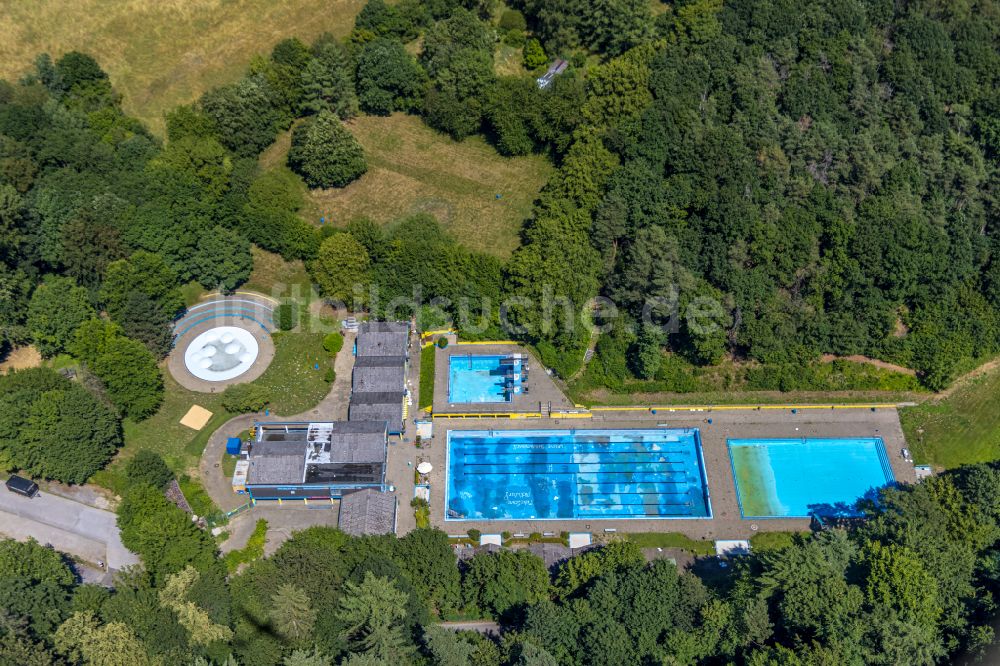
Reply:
x=726 y=523
x=543 y=394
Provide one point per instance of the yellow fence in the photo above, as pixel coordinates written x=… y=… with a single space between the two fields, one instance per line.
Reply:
x=430 y=334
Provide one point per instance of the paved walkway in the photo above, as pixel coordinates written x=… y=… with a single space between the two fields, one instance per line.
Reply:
x=71 y=527
x=331 y=408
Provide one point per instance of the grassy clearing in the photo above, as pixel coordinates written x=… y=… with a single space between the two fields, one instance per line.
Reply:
x=427 y=356
x=163 y=53
x=276 y=277
x=962 y=428
x=670 y=540
x=250 y=552
x=509 y=61
x=414 y=169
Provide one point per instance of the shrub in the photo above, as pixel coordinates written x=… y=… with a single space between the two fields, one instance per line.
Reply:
x=514 y=38
x=442 y=342
x=512 y=20
x=324 y=153
x=534 y=54
x=148 y=467
x=244 y=398
x=285 y=316
x=330 y=376
x=474 y=534
x=421 y=512
x=333 y=343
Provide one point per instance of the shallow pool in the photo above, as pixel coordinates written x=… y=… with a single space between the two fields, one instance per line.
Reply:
x=475 y=378
x=797 y=478
x=575 y=474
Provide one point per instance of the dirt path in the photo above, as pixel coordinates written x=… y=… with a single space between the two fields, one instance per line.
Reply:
x=963 y=380
x=858 y=358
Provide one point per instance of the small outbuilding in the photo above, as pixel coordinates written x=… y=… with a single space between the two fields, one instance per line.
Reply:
x=366 y=512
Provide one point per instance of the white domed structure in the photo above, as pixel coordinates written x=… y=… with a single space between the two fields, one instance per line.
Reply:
x=221 y=353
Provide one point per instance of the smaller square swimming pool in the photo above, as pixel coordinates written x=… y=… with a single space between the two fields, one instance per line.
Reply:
x=797 y=478
x=473 y=378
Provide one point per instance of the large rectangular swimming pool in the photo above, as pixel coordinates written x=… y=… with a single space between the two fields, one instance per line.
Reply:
x=575 y=474
x=796 y=478
x=479 y=378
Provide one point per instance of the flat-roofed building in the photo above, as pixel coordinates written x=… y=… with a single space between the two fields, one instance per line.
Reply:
x=320 y=460
x=382 y=406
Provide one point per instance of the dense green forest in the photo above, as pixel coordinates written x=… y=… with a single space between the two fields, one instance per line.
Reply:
x=911 y=586
x=741 y=180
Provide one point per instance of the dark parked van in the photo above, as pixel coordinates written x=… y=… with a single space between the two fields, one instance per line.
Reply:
x=22 y=486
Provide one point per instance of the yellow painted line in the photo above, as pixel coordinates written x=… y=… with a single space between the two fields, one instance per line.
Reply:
x=426 y=345
x=572 y=415
x=722 y=408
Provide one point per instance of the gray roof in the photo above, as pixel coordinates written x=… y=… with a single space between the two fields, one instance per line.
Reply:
x=379 y=343
x=276 y=469
x=390 y=413
x=358 y=441
x=376 y=379
x=384 y=327
x=379 y=361
x=282 y=451
x=378 y=398
x=367 y=512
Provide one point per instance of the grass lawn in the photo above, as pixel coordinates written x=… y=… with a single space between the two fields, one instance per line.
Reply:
x=670 y=540
x=414 y=169
x=292 y=385
x=163 y=53
x=427 y=356
x=274 y=276
x=963 y=427
x=765 y=541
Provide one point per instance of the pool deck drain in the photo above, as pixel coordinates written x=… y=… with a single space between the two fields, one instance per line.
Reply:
x=726 y=522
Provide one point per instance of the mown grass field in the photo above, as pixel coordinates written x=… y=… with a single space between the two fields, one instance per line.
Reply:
x=161 y=53
x=962 y=427
x=414 y=169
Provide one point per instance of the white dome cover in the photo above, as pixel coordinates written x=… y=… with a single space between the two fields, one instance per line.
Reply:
x=213 y=362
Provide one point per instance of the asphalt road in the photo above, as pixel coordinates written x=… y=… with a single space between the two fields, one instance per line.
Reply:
x=88 y=533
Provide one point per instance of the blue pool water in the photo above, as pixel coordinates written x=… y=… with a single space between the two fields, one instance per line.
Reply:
x=570 y=474
x=482 y=378
x=778 y=478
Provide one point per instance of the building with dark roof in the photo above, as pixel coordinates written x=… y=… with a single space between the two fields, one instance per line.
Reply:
x=320 y=460
x=368 y=511
x=378 y=382
x=382 y=406
x=378 y=379
x=329 y=460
